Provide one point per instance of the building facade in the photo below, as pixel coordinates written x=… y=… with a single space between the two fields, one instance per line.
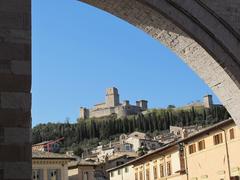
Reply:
x=165 y=163
x=112 y=105
x=212 y=153
x=137 y=140
x=123 y=172
x=83 y=170
x=47 y=146
x=49 y=166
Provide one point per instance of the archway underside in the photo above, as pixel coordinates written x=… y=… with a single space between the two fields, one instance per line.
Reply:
x=203 y=34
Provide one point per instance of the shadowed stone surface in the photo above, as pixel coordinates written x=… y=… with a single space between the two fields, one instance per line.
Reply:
x=15 y=86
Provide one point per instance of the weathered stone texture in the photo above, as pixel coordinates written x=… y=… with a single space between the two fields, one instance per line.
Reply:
x=18 y=170
x=14 y=51
x=15 y=97
x=17 y=101
x=228 y=11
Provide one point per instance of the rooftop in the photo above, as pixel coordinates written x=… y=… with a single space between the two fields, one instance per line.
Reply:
x=41 y=143
x=171 y=145
x=49 y=155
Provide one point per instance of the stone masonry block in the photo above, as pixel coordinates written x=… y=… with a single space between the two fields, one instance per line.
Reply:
x=18 y=170
x=5 y=66
x=15 y=67
x=21 y=101
x=15 y=6
x=13 y=20
x=15 y=152
x=15 y=118
x=14 y=51
x=17 y=135
x=21 y=67
x=14 y=83
x=15 y=36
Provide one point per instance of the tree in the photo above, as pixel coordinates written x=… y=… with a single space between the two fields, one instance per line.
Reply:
x=78 y=151
x=142 y=150
x=88 y=133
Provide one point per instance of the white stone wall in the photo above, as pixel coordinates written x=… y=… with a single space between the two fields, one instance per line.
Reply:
x=46 y=165
x=123 y=174
x=73 y=174
x=175 y=162
x=135 y=142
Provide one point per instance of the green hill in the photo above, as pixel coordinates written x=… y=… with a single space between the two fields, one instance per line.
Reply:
x=87 y=133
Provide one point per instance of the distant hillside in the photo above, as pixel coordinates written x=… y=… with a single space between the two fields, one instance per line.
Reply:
x=87 y=133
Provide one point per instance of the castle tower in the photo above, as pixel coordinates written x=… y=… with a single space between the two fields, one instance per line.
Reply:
x=126 y=103
x=208 y=101
x=84 y=113
x=143 y=104
x=112 y=97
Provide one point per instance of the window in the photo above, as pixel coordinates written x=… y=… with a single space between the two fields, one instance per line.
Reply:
x=201 y=145
x=119 y=171
x=85 y=176
x=126 y=169
x=140 y=175
x=217 y=139
x=54 y=174
x=37 y=174
x=169 y=169
x=161 y=170
x=136 y=175
x=192 y=148
x=155 y=175
x=112 y=173
x=147 y=174
x=231 y=133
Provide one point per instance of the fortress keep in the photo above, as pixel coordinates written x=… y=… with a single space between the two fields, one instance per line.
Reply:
x=112 y=105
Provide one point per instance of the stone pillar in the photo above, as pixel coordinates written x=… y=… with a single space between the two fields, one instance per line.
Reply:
x=15 y=86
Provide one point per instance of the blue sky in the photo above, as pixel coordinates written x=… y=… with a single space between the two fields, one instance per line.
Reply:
x=79 y=51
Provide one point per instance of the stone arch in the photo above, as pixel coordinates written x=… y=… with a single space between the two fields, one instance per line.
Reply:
x=204 y=34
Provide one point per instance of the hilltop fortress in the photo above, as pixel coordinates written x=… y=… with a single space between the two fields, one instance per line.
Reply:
x=112 y=105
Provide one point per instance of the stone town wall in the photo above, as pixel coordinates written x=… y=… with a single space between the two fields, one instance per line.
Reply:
x=101 y=112
x=100 y=106
x=121 y=111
